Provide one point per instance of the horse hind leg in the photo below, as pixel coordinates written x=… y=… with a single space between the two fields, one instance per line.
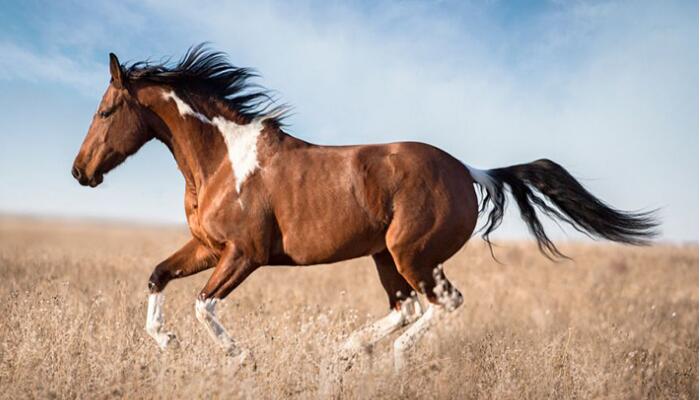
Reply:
x=403 y=302
x=443 y=298
x=404 y=309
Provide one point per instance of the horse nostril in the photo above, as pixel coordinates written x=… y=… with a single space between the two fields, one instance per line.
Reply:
x=76 y=173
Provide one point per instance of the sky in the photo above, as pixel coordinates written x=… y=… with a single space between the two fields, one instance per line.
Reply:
x=608 y=89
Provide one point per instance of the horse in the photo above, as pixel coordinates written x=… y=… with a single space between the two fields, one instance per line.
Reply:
x=257 y=196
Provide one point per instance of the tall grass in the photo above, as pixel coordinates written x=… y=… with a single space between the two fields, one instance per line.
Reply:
x=618 y=322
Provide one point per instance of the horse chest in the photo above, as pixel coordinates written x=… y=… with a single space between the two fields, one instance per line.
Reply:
x=216 y=217
x=194 y=221
x=195 y=225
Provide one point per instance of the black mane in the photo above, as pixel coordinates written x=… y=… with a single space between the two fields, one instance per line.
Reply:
x=207 y=72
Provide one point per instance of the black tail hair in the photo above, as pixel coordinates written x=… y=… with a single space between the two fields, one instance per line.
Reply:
x=570 y=202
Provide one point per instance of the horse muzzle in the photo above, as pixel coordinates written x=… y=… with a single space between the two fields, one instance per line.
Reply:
x=85 y=180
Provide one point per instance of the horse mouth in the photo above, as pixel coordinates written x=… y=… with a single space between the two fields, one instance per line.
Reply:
x=95 y=180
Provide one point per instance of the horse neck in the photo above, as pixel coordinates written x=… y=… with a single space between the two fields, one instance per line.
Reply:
x=197 y=140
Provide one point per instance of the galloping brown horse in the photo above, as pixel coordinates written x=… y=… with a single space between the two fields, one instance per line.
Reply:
x=256 y=195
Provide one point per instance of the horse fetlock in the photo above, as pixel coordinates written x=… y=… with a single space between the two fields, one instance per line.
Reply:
x=154 y=328
x=155 y=321
x=243 y=358
x=165 y=340
x=229 y=346
x=411 y=309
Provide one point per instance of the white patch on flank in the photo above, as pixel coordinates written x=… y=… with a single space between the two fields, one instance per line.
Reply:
x=154 y=320
x=483 y=178
x=204 y=309
x=241 y=140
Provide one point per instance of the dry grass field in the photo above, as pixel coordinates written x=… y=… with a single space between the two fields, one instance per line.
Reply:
x=619 y=322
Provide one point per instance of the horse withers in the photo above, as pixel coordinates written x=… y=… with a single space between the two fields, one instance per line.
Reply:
x=256 y=195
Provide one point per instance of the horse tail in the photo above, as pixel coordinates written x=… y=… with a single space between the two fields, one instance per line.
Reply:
x=563 y=198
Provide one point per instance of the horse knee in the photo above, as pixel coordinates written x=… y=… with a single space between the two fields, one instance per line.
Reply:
x=159 y=278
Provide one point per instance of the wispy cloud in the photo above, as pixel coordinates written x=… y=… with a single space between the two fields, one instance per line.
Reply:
x=20 y=63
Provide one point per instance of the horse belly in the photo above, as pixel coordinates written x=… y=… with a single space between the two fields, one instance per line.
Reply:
x=329 y=232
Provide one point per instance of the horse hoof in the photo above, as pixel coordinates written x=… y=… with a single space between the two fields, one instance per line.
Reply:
x=243 y=358
x=166 y=340
x=352 y=347
x=345 y=358
x=171 y=341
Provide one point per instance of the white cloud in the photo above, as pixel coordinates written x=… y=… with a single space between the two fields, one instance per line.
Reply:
x=29 y=65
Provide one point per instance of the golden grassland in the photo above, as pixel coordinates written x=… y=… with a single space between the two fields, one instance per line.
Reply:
x=618 y=322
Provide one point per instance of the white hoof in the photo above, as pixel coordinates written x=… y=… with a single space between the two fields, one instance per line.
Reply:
x=164 y=340
x=170 y=341
x=241 y=358
x=352 y=347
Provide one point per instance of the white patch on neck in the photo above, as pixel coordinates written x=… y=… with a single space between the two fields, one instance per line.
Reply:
x=185 y=108
x=242 y=144
x=241 y=140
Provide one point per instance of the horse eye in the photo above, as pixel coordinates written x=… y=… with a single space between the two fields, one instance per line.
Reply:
x=104 y=114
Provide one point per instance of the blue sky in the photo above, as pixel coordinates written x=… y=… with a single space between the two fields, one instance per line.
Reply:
x=608 y=89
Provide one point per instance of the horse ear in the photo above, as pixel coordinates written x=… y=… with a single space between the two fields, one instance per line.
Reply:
x=115 y=69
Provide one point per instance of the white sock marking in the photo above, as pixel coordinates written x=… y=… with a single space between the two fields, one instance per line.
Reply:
x=409 y=338
x=241 y=140
x=367 y=336
x=448 y=300
x=154 y=320
x=204 y=309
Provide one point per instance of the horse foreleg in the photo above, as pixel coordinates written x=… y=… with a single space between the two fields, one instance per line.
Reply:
x=190 y=259
x=154 y=321
x=231 y=271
